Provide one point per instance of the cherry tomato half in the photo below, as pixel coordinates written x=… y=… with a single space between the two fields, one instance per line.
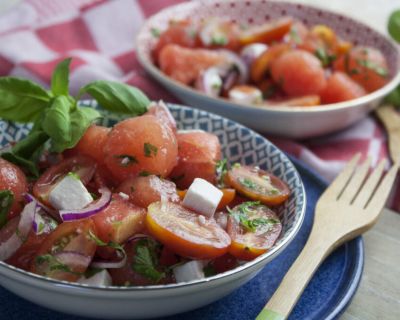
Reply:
x=258 y=185
x=185 y=232
x=248 y=243
x=13 y=179
x=67 y=252
x=81 y=165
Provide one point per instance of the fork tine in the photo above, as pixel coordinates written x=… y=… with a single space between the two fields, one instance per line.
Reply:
x=341 y=180
x=381 y=194
x=356 y=181
x=370 y=185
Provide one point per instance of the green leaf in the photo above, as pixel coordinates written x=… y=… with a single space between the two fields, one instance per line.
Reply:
x=60 y=78
x=6 y=201
x=145 y=261
x=21 y=100
x=26 y=152
x=149 y=150
x=57 y=123
x=221 y=169
x=394 y=25
x=117 y=97
x=81 y=119
x=394 y=97
x=110 y=244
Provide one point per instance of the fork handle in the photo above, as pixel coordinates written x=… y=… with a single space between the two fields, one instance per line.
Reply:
x=293 y=284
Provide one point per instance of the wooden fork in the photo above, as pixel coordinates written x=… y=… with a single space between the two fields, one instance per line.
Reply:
x=349 y=206
x=391 y=120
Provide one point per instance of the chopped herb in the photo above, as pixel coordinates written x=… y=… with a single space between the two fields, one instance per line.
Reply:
x=209 y=270
x=271 y=90
x=150 y=150
x=241 y=214
x=126 y=159
x=145 y=260
x=178 y=178
x=144 y=173
x=219 y=40
x=74 y=175
x=54 y=264
x=326 y=59
x=221 y=169
x=236 y=165
x=155 y=32
x=110 y=244
x=248 y=183
x=354 y=71
x=6 y=201
x=90 y=272
x=383 y=72
x=295 y=36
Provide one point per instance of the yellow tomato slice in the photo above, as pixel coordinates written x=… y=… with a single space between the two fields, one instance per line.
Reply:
x=253 y=228
x=258 y=184
x=186 y=232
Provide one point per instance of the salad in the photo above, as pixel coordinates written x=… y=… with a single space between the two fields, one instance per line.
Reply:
x=140 y=203
x=282 y=62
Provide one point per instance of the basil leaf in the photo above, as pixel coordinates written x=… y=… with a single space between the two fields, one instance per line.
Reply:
x=60 y=78
x=81 y=119
x=6 y=201
x=26 y=152
x=56 y=123
x=394 y=97
x=394 y=25
x=117 y=97
x=21 y=100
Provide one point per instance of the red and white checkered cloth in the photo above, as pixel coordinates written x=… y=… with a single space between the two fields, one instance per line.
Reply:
x=36 y=34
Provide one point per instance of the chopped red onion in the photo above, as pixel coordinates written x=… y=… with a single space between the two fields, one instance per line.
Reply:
x=210 y=82
x=91 y=209
x=138 y=236
x=73 y=258
x=234 y=60
x=53 y=213
x=9 y=247
x=251 y=52
x=106 y=264
x=42 y=223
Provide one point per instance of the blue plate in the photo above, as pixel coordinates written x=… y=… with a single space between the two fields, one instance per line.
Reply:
x=326 y=296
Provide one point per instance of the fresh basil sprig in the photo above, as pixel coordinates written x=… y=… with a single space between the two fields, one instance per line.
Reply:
x=58 y=121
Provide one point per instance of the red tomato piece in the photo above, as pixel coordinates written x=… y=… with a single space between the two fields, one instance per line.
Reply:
x=140 y=145
x=341 y=87
x=249 y=244
x=224 y=263
x=81 y=165
x=217 y=33
x=299 y=73
x=13 y=179
x=258 y=185
x=23 y=257
x=185 y=65
x=183 y=33
x=365 y=65
x=193 y=163
x=67 y=252
x=9 y=229
x=92 y=143
x=161 y=112
x=185 y=232
x=119 y=221
x=143 y=191
x=267 y=32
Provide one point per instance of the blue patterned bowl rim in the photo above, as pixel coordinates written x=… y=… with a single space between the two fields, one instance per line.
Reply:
x=291 y=214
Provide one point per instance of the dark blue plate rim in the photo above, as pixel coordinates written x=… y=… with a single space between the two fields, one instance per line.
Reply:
x=356 y=246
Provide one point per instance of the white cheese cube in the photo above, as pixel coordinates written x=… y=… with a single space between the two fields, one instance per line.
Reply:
x=202 y=197
x=192 y=270
x=70 y=194
x=101 y=278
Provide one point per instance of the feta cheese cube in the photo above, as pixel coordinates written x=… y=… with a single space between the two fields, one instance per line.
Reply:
x=70 y=194
x=202 y=197
x=101 y=278
x=188 y=271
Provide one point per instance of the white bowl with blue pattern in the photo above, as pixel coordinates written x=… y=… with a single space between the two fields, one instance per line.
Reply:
x=239 y=144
